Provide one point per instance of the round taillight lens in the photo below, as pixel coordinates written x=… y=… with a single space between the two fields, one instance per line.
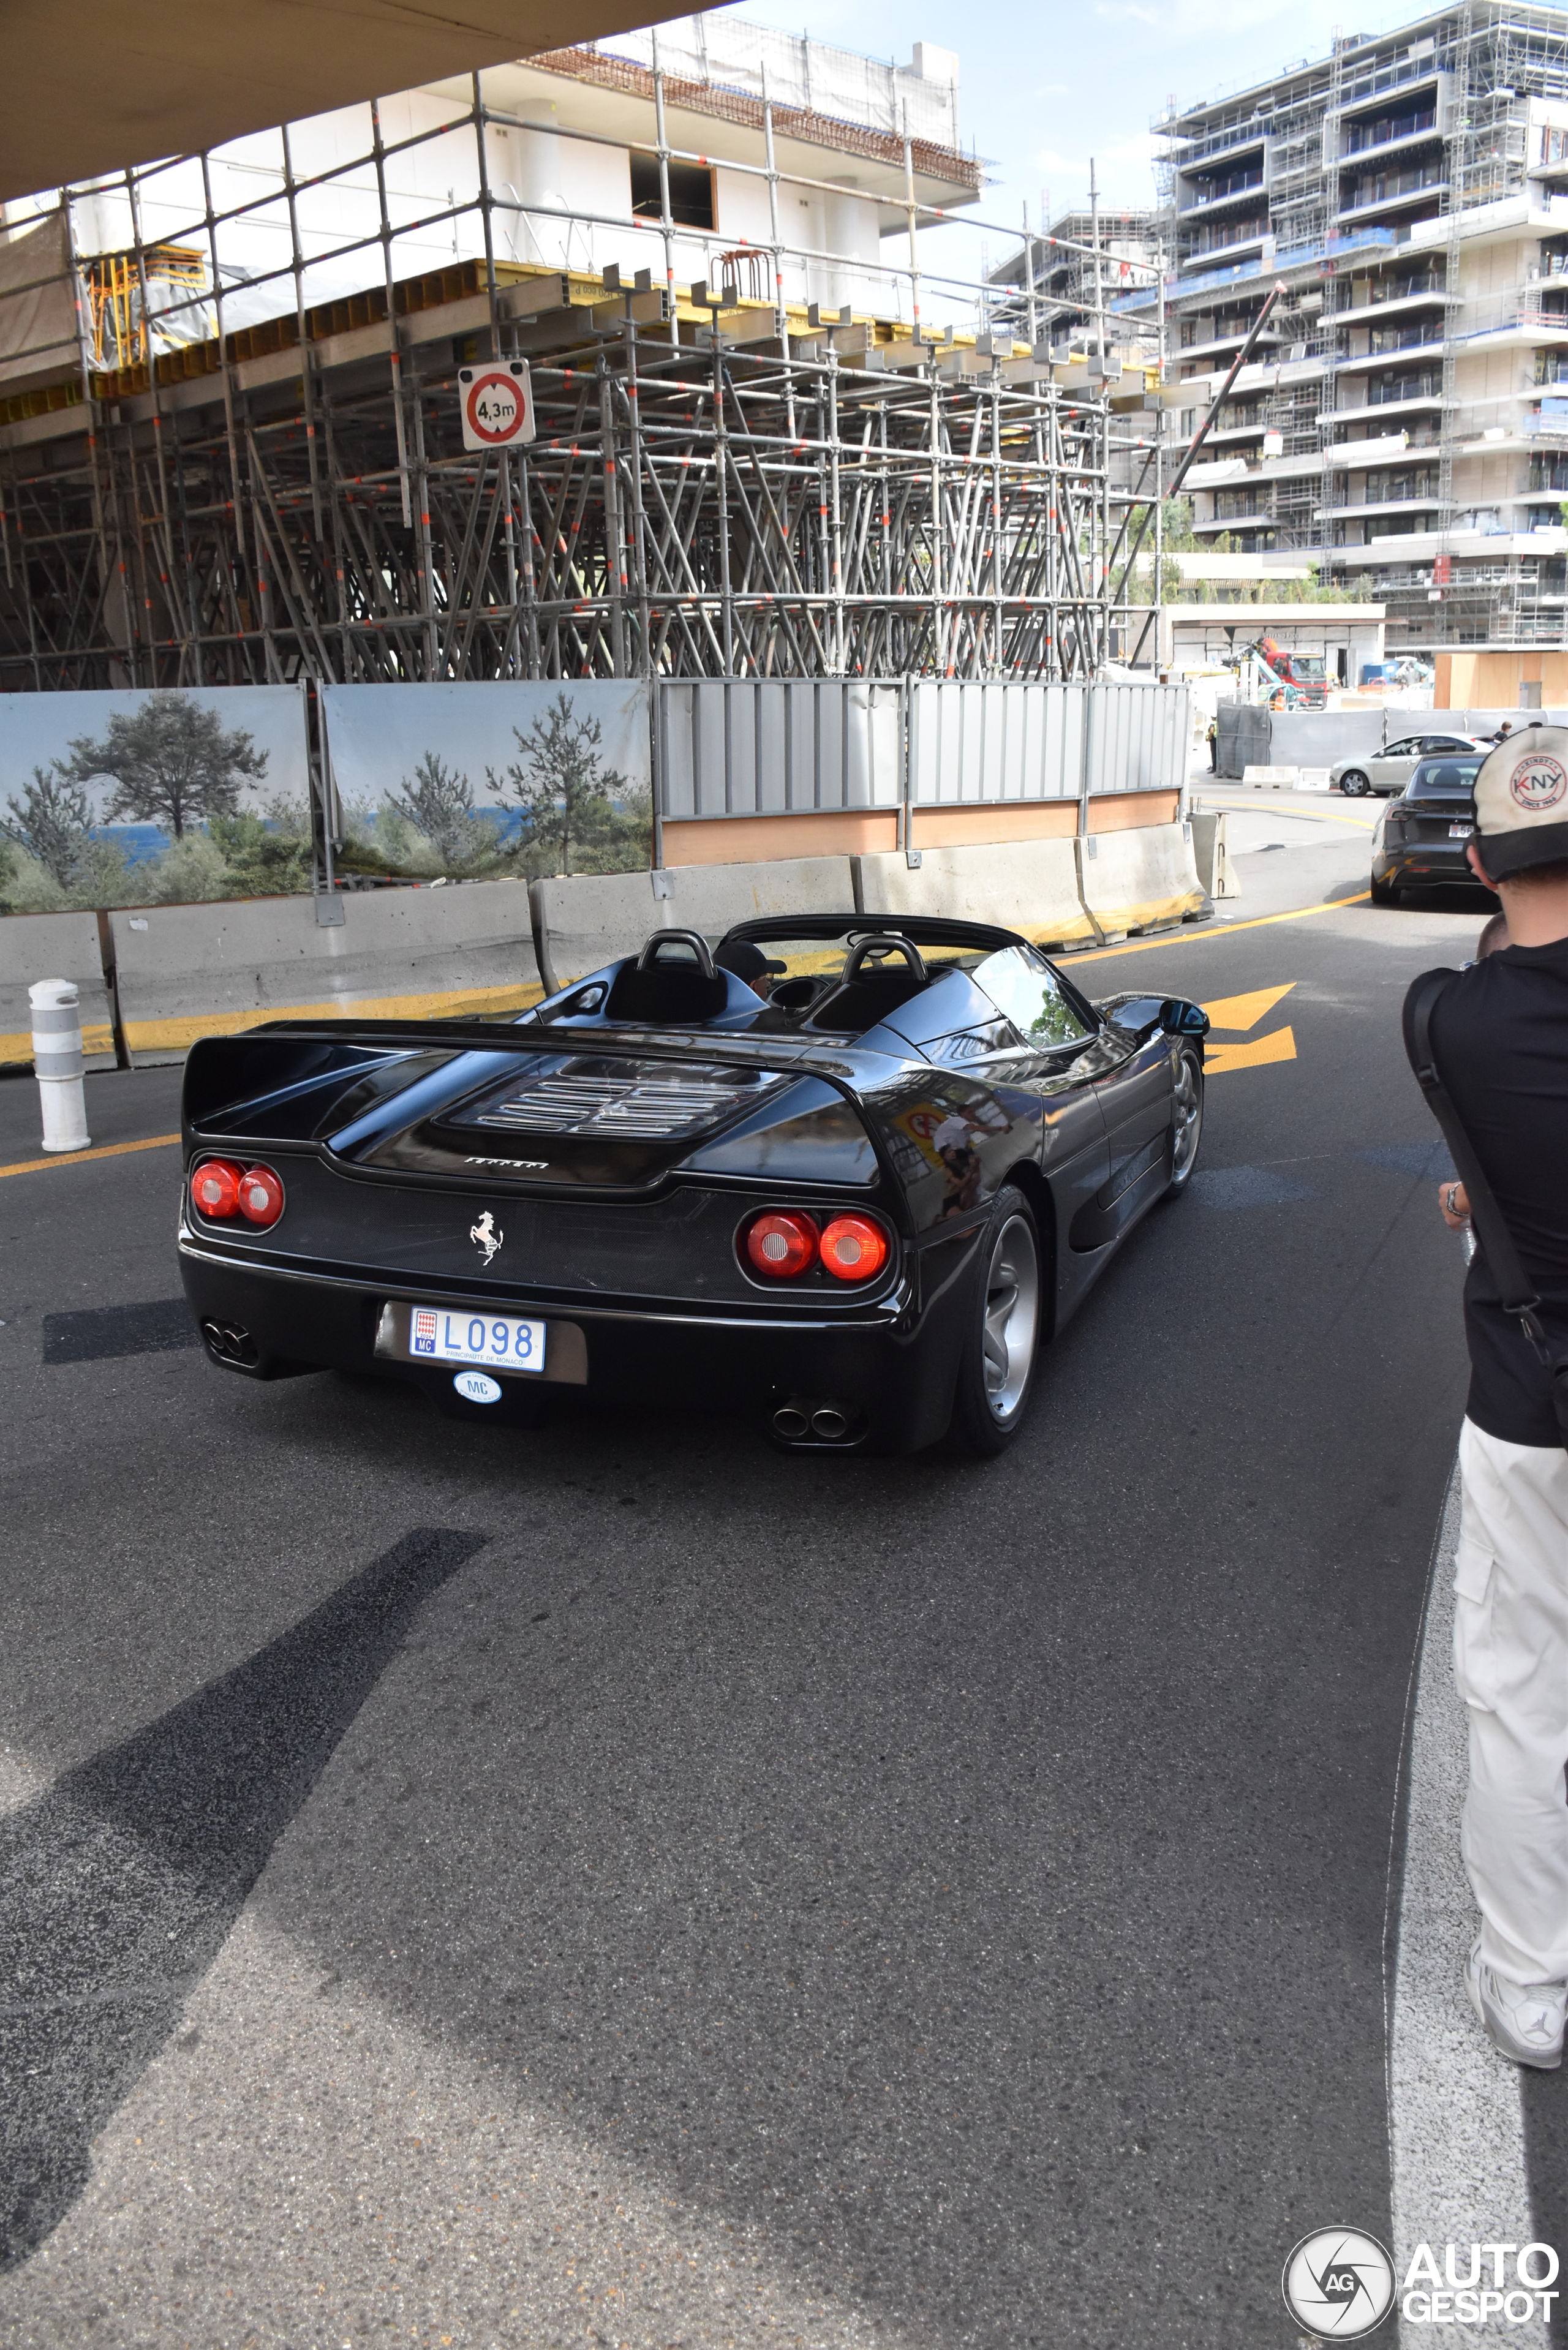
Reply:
x=215 y=1188
x=261 y=1196
x=853 y=1248
x=781 y=1246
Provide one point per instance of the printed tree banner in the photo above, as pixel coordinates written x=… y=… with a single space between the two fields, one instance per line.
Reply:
x=146 y=797
x=530 y=778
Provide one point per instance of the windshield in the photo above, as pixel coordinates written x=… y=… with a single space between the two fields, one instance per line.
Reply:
x=813 y=958
x=1444 y=776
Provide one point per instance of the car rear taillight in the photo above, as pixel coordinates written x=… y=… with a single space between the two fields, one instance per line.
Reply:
x=853 y=1248
x=215 y=1188
x=261 y=1196
x=781 y=1243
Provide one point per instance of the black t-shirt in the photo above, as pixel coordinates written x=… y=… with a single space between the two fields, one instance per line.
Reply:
x=1500 y=1034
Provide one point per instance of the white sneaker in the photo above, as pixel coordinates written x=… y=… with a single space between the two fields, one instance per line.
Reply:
x=1524 y=2021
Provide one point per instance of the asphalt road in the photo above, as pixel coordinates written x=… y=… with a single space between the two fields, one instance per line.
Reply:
x=615 y=1884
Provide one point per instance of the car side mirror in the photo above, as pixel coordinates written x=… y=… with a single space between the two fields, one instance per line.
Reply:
x=1179 y=1018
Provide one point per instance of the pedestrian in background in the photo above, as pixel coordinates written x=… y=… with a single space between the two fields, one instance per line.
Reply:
x=1496 y=1041
x=1212 y=739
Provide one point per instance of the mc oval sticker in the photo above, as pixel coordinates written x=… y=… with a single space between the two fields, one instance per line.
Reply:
x=1539 y=782
x=477 y=1387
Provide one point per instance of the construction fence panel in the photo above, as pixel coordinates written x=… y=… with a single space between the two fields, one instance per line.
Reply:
x=974 y=740
x=762 y=746
x=1138 y=738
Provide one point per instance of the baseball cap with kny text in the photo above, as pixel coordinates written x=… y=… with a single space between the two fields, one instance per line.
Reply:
x=1522 y=801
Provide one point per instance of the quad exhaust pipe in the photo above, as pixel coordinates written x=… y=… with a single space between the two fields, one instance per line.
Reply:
x=804 y=1421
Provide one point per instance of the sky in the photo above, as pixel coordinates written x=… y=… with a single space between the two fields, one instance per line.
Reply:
x=1046 y=84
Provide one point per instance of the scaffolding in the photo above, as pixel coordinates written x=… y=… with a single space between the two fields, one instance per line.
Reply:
x=723 y=483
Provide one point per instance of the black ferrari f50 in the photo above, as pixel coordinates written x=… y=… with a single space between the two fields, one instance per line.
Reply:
x=849 y=1177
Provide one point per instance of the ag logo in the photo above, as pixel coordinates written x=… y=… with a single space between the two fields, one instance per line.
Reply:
x=1539 y=782
x=1338 y=2284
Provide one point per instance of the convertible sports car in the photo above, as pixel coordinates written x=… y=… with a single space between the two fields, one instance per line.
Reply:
x=846 y=1176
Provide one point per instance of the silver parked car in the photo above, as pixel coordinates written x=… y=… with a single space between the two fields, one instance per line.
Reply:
x=1389 y=770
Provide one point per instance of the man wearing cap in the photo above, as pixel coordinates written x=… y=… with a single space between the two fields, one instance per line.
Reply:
x=1499 y=1038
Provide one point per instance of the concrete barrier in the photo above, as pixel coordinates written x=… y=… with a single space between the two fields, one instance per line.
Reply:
x=583 y=920
x=1210 y=855
x=186 y=972
x=1139 y=880
x=48 y=946
x=1271 y=779
x=1029 y=886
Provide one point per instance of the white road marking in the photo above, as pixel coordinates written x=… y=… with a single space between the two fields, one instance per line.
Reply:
x=1456 y=2120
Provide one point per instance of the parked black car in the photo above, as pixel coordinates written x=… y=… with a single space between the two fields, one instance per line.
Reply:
x=846 y=1175
x=1420 y=838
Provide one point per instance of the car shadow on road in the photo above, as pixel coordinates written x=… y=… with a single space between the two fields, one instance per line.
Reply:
x=118 y=1885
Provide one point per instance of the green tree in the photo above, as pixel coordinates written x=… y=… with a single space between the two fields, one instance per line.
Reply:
x=1175 y=531
x=262 y=860
x=439 y=803
x=51 y=822
x=172 y=761
x=566 y=797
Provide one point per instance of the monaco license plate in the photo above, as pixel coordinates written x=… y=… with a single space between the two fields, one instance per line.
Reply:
x=1461 y=831
x=454 y=1333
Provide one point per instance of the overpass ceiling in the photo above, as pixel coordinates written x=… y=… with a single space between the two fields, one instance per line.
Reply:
x=94 y=85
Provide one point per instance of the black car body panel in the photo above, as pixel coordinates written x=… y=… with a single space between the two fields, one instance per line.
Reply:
x=1422 y=835
x=598 y=1172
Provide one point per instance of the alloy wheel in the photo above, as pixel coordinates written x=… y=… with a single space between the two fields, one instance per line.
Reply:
x=1011 y=1317
x=1186 y=1119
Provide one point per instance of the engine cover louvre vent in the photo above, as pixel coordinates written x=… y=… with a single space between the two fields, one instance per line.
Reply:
x=641 y=1101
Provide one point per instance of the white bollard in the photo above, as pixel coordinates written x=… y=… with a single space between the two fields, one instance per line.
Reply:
x=58 y=1063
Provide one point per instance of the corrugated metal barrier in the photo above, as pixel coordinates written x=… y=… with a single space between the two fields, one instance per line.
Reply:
x=749 y=746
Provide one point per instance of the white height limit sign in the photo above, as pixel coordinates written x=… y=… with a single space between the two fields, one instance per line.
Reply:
x=497 y=405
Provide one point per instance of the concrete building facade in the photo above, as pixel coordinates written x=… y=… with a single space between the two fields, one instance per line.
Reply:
x=1404 y=418
x=1051 y=286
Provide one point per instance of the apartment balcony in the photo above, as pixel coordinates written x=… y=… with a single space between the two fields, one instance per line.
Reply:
x=1233 y=435
x=1401 y=193
x=1207 y=256
x=1218 y=470
x=1494 y=544
x=1222 y=199
x=1363 y=509
x=1398 y=306
x=1406 y=348
x=1387 y=449
x=1283 y=260
x=1417 y=396
x=1391 y=136
x=1222 y=345
x=1224 y=145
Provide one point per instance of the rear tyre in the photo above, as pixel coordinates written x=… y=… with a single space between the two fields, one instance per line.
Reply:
x=996 y=1369
x=1355 y=785
x=1384 y=893
x=1187 y=1122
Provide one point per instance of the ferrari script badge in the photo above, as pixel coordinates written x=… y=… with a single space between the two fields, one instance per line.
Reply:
x=484 y=1235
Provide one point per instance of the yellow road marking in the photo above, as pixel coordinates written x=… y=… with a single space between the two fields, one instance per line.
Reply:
x=1298 y=815
x=1245 y=1011
x=75 y=1157
x=1279 y=1045
x=1189 y=938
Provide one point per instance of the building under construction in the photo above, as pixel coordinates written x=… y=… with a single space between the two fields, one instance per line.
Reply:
x=1405 y=417
x=230 y=443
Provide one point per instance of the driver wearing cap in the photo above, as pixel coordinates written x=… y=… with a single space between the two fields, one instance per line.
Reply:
x=1500 y=1037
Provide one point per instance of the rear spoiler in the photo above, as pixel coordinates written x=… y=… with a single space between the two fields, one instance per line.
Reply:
x=541 y=1036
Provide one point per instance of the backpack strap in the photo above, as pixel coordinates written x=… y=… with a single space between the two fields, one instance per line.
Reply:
x=1518 y=1295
